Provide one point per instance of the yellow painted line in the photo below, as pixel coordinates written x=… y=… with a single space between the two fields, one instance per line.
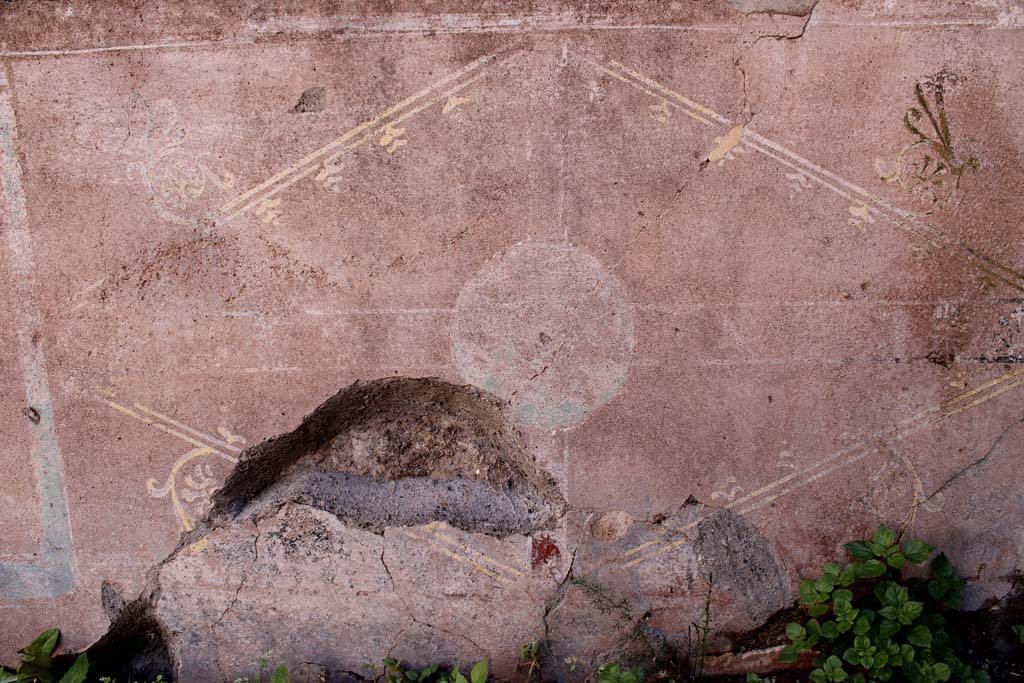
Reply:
x=986 y=385
x=348 y=135
x=459 y=558
x=663 y=549
x=157 y=425
x=977 y=402
x=902 y=425
x=361 y=141
x=670 y=93
x=891 y=213
x=639 y=87
x=639 y=548
x=475 y=553
x=185 y=427
x=902 y=429
x=904 y=434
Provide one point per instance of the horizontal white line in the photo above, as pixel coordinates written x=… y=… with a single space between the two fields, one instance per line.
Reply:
x=823 y=302
x=119 y=48
x=525 y=26
x=380 y=311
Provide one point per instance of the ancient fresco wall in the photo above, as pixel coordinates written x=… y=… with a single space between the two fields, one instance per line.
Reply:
x=746 y=275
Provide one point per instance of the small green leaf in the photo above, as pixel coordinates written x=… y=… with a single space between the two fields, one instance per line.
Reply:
x=817 y=610
x=862 y=626
x=36 y=659
x=42 y=647
x=457 y=676
x=917 y=551
x=883 y=536
x=842 y=595
x=808 y=595
x=1018 y=630
x=849 y=575
x=479 y=672
x=280 y=674
x=78 y=671
x=941 y=671
x=894 y=594
x=859 y=550
x=896 y=561
x=794 y=631
x=912 y=610
x=942 y=568
x=829 y=630
x=789 y=654
x=981 y=676
x=920 y=636
x=871 y=569
x=888 y=628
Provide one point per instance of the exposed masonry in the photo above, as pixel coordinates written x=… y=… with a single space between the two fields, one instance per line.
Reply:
x=743 y=563
x=136 y=646
x=387 y=453
x=398 y=452
x=403 y=452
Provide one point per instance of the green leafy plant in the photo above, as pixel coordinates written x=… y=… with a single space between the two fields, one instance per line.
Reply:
x=867 y=623
x=1018 y=629
x=395 y=673
x=697 y=637
x=529 y=657
x=39 y=666
x=279 y=675
x=612 y=673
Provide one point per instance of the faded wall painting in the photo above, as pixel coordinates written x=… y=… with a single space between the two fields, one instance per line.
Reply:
x=632 y=297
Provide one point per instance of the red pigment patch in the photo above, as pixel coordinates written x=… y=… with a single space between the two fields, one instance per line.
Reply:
x=544 y=549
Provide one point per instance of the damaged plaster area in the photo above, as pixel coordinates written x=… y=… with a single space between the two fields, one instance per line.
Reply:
x=405 y=518
x=328 y=544
x=742 y=563
x=399 y=452
x=606 y=614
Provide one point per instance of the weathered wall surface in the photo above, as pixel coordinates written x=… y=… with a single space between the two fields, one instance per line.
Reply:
x=748 y=281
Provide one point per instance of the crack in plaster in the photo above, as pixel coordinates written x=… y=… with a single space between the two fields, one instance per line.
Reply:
x=558 y=597
x=970 y=466
x=245 y=577
x=745 y=114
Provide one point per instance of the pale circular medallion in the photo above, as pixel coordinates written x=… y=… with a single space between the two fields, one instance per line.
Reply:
x=546 y=327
